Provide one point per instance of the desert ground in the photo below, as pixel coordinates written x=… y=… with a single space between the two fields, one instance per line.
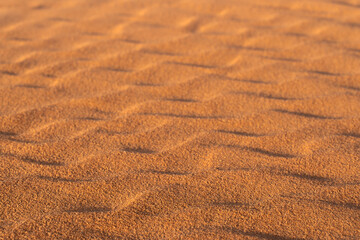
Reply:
x=180 y=119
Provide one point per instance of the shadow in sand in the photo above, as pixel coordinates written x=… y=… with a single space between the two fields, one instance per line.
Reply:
x=271 y=154
x=90 y=118
x=182 y=116
x=350 y=88
x=295 y=34
x=40 y=7
x=261 y=151
x=31 y=160
x=130 y=41
x=355 y=135
x=138 y=150
x=48 y=75
x=20 y=39
x=117 y=70
x=351 y=206
x=142 y=84
x=323 y=73
x=179 y=100
x=245 y=134
x=267 y=96
x=344 y=205
x=11 y=137
x=232 y=169
x=160 y=53
x=166 y=172
x=21 y=140
x=7 y=134
x=29 y=86
x=305 y=176
x=8 y=73
x=307 y=115
x=347 y=4
x=193 y=65
x=283 y=59
x=223 y=77
x=260 y=49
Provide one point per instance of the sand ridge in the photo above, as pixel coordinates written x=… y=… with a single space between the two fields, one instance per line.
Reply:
x=179 y=119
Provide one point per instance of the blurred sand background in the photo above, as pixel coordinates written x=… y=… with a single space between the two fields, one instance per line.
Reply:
x=180 y=119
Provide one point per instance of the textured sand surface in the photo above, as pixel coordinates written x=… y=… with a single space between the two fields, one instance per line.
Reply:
x=180 y=119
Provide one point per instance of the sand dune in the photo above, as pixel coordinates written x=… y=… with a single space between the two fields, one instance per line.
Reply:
x=180 y=119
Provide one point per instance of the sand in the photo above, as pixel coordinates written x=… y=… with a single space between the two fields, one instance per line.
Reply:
x=180 y=119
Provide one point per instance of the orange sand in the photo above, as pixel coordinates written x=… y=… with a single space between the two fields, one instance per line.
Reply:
x=180 y=119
